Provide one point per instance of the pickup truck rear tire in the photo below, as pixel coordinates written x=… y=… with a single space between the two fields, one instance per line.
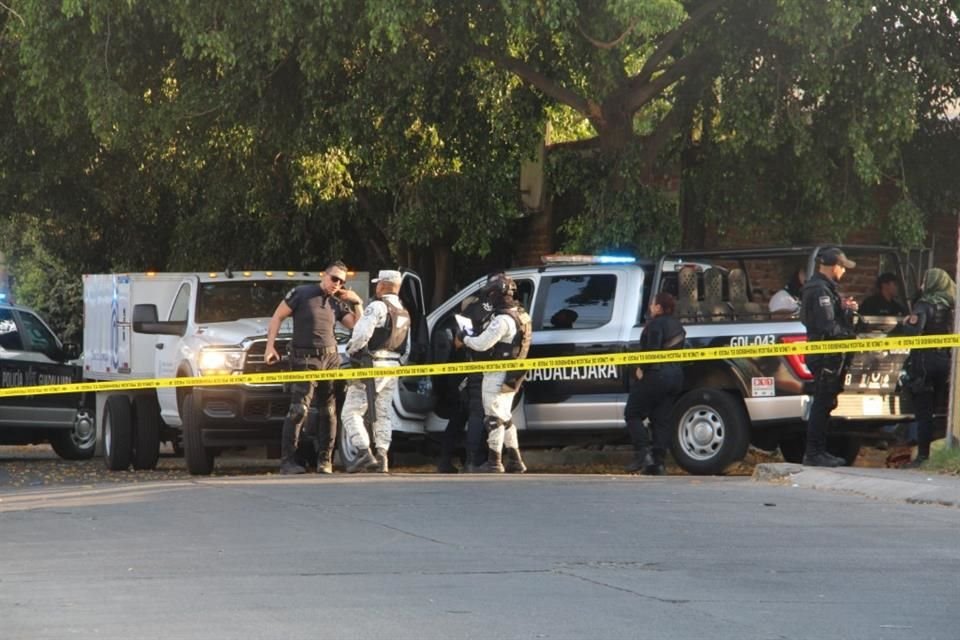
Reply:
x=117 y=433
x=199 y=458
x=146 y=432
x=711 y=431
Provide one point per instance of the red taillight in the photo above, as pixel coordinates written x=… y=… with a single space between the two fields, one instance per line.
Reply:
x=797 y=361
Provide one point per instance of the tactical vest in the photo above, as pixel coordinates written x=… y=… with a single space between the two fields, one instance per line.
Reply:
x=391 y=336
x=941 y=322
x=517 y=348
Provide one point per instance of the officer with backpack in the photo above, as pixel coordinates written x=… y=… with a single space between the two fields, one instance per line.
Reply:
x=507 y=337
x=380 y=339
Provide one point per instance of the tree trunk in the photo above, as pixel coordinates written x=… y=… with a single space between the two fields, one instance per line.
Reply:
x=441 y=274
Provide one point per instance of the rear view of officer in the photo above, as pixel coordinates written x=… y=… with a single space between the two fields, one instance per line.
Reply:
x=826 y=317
x=380 y=340
x=507 y=337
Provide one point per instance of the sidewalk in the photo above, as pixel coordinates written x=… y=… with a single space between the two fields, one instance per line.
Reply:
x=899 y=485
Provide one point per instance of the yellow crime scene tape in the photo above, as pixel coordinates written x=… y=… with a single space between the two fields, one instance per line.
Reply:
x=624 y=358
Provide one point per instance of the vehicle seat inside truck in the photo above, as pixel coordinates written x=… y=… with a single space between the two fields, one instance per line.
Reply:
x=743 y=308
x=688 y=306
x=713 y=308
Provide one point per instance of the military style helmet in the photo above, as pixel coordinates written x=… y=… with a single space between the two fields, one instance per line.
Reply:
x=502 y=284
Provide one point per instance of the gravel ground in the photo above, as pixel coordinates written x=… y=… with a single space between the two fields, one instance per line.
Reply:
x=38 y=465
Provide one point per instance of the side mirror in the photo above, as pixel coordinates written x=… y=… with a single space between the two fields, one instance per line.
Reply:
x=71 y=351
x=145 y=321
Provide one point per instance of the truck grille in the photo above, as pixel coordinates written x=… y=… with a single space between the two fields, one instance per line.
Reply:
x=254 y=363
x=266 y=409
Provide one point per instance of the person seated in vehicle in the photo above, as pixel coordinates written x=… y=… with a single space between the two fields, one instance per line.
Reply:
x=563 y=319
x=884 y=301
x=786 y=301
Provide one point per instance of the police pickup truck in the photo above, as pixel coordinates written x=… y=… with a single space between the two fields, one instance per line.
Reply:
x=30 y=354
x=586 y=305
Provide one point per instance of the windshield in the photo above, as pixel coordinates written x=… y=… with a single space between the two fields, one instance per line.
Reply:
x=228 y=301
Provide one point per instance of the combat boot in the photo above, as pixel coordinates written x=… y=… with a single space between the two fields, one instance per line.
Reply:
x=641 y=459
x=364 y=461
x=493 y=463
x=653 y=464
x=383 y=465
x=325 y=463
x=513 y=461
x=823 y=459
x=291 y=468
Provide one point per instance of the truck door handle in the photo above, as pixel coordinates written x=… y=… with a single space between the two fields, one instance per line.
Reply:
x=159 y=345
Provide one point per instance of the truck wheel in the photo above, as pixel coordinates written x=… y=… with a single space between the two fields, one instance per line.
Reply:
x=80 y=441
x=146 y=432
x=711 y=431
x=117 y=433
x=199 y=458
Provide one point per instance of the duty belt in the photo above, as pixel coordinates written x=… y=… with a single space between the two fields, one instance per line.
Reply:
x=306 y=353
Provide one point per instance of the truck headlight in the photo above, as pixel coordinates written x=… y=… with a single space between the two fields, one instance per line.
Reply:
x=220 y=362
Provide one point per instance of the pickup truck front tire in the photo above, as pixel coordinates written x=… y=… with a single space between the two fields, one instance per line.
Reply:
x=711 y=431
x=199 y=458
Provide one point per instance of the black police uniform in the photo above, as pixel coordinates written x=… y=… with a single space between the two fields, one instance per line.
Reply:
x=314 y=347
x=468 y=409
x=654 y=395
x=822 y=313
x=928 y=369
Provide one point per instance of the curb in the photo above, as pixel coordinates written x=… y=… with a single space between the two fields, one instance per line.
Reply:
x=911 y=487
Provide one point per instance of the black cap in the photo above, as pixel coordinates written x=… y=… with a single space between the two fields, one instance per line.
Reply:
x=832 y=256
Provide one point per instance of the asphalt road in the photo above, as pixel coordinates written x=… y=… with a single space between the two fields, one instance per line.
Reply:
x=427 y=556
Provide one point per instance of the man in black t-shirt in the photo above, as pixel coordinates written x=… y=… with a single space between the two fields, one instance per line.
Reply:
x=884 y=301
x=315 y=310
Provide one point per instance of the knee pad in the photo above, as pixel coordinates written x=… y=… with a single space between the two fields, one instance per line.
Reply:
x=492 y=423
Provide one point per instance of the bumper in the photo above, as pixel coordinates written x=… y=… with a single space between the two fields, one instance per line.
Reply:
x=242 y=415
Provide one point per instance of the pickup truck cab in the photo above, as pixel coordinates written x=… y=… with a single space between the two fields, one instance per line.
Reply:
x=585 y=305
x=31 y=354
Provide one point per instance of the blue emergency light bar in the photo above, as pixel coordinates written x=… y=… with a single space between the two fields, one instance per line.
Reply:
x=616 y=259
x=587 y=259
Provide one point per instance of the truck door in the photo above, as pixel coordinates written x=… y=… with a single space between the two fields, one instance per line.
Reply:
x=576 y=314
x=168 y=356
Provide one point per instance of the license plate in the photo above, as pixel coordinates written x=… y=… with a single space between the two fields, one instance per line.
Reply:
x=873 y=405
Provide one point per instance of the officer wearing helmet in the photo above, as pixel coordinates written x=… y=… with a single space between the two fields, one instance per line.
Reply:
x=506 y=337
x=380 y=338
x=467 y=391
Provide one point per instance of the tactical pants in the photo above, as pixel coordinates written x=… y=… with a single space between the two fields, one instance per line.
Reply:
x=355 y=407
x=653 y=397
x=828 y=383
x=498 y=410
x=469 y=412
x=931 y=373
x=318 y=394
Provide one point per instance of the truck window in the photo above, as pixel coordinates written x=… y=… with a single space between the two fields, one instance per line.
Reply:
x=10 y=339
x=578 y=302
x=41 y=339
x=181 y=305
x=233 y=300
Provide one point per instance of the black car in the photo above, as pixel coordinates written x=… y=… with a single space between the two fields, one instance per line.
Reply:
x=30 y=354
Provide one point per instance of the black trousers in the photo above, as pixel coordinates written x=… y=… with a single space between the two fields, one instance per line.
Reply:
x=828 y=382
x=318 y=394
x=653 y=397
x=930 y=373
x=469 y=412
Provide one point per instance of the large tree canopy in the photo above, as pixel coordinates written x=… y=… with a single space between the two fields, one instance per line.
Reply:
x=195 y=134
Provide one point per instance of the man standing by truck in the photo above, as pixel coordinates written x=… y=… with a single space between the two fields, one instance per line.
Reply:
x=826 y=317
x=315 y=308
x=380 y=339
